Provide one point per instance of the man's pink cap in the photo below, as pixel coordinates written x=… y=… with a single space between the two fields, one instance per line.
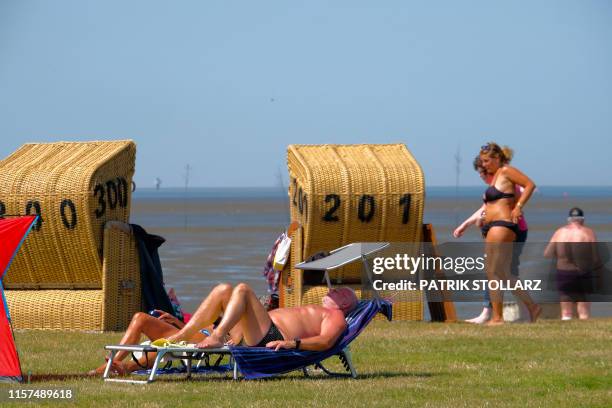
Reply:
x=345 y=298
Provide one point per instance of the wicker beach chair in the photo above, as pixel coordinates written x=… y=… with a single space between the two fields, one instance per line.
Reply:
x=351 y=193
x=79 y=268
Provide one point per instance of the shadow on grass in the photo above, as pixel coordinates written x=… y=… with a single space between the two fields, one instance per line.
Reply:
x=389 y=374
x=40 y=378
x=312 y=377
x=36 y=378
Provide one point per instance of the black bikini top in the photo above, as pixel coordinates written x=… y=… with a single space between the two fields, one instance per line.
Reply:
x=493 y=194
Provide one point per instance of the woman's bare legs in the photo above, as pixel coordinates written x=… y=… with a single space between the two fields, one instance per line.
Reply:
x=142 y=323
x=499 y=253
x=498 y=246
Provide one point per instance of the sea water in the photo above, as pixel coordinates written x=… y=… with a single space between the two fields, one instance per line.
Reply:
x=218 y=235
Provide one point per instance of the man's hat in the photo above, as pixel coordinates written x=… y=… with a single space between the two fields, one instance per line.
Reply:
x=576 y=212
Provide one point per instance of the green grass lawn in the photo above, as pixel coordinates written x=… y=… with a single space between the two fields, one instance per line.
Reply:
x=550 y=363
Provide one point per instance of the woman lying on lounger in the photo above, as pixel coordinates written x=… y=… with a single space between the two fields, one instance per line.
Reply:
x=163 y=326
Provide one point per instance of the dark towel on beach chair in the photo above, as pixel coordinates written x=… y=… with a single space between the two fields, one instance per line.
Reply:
x=258 y=362
x=154 y=294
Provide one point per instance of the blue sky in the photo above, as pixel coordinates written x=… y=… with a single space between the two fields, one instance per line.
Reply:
x=226 y=85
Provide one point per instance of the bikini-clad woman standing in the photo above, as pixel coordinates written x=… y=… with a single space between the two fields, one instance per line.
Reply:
x=475 y=219
x=500 y=227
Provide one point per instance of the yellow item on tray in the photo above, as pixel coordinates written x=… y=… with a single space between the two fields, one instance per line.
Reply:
x=165 y=343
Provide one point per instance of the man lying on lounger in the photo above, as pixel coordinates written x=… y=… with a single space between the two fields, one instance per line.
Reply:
x=309 y=327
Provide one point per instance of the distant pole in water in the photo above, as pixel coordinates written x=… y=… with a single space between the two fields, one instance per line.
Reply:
x=186 y=177
x=457 y=173
x=158 y=182
x=283 y=187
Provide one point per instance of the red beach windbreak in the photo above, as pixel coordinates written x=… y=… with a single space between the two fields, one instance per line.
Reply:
x=12 y=234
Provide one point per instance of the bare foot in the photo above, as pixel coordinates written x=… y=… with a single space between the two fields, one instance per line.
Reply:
x=117 y=368
x=98 y=371
x=534 y=312
x=494 y=323
x=482 y=317
x=212 y=341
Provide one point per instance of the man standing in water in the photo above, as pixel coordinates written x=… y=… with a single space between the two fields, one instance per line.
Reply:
x=573 y=247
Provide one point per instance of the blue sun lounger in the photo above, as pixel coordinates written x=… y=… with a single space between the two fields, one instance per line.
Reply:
x=258 y=362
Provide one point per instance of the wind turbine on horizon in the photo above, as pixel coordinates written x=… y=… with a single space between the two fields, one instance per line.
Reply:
x=458 y=161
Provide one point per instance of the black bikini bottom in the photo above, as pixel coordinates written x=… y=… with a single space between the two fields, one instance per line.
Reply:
x=499 y=223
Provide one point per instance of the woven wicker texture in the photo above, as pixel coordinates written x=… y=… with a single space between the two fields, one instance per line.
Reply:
x=56 y=309
x=290 y=287
x=352 y=193
x=76 y=187
x=121 y=283
x=106 y=309
x=72 y=273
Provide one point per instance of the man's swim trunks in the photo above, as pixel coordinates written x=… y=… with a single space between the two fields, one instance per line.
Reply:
x=574 y=286
x=272 y=335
